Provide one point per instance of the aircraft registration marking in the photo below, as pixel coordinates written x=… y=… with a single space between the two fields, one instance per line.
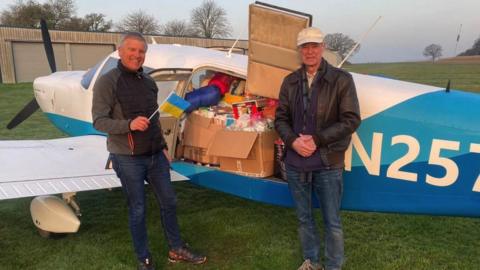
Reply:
x=393 y=170
x=475 y=148
x=372 y=161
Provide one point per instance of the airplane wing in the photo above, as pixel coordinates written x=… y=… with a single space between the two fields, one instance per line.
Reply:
x=42 y=167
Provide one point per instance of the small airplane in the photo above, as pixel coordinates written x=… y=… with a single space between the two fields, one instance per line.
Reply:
x=416 y=151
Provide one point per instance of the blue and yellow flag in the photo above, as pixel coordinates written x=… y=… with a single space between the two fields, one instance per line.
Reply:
x=174 y=105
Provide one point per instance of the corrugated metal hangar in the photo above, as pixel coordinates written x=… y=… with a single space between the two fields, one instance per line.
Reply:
x=22 y=56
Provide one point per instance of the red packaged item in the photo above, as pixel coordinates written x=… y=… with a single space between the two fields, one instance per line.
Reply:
x=222 y=81
x=244 y=107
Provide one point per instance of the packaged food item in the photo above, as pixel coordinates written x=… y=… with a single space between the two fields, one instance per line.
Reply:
x=244 y=107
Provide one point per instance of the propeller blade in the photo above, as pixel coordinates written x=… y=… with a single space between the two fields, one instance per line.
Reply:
x=28 y=110
x=47 y=43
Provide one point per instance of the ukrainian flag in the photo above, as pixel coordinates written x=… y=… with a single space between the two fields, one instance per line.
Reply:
x=174 y=105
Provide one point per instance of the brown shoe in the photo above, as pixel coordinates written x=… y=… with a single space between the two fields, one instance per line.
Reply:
x=308 y=265
x=186 y=255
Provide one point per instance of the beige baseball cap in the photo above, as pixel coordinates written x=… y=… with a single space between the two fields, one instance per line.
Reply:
x=308 y=35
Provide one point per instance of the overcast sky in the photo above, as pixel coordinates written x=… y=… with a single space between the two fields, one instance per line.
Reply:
x=407 y=27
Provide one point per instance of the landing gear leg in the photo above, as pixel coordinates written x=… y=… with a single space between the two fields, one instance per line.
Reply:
x=69 y=198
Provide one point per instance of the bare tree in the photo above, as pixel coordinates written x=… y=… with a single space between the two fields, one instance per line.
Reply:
x=97 y=22
x=210 y=20
x=340 y=43
x=139 y=21
x=59 y=12
x=433 y=50
x=177 y=28
x=73 y=23
x=23 y=14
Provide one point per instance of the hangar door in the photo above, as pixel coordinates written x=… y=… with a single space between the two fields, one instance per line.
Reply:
x=85 y=56
x=30 y=60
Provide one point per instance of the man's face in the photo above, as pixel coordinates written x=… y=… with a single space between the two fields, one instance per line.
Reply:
x=312 y=53
x=132 y=54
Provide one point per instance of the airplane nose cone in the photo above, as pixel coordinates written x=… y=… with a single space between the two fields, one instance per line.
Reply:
x=44 y=93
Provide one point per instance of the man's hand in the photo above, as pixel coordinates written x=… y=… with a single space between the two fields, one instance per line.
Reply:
x=304 y=145
x=308 y=139
x=140 y=123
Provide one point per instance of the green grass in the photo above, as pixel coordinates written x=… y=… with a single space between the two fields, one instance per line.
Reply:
x=463 y=76
x=234 y=233
x=13 y=97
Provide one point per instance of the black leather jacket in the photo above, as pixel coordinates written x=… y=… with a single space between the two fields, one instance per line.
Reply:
x=338 y=113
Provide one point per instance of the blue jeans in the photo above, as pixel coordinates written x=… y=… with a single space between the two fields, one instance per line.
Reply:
x=328 y=187
x=155 y=169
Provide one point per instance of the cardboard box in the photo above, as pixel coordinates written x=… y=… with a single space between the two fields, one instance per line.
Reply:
x=199 y=155
x=246 y=153
x=197 y=136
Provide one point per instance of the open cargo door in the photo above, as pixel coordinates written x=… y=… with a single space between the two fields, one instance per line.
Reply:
x=272 y=52
x=169 y=79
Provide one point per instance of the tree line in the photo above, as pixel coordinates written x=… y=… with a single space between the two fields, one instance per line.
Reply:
x=209 y=20
x=434 y=51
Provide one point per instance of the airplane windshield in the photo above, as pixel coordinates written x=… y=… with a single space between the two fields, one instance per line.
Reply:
x=110 y=64
x=88 y=76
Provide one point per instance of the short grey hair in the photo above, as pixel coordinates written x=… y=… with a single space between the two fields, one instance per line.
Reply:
x=133 y=35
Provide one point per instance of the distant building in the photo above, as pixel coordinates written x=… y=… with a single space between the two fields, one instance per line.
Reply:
x=22 y=56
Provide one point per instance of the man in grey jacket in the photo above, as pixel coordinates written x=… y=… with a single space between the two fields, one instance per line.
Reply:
x=123 y=99
x=317 y=113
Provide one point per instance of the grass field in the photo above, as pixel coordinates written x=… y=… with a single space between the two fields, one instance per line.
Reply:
x=464 y=77
x=234 y=233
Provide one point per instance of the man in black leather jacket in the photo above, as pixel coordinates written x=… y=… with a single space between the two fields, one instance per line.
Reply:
x=317 y=113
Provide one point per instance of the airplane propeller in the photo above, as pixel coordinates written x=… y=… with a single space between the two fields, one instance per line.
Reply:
x=47 y=43
x=28 y=110
x=33 y=106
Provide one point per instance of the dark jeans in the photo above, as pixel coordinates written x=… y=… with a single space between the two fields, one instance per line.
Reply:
x=155 y=169
x=328 y=187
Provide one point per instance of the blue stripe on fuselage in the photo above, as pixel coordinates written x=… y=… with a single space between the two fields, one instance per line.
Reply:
x=362 y=192
x=73 y=127
x=367 y=192
x=438 y=115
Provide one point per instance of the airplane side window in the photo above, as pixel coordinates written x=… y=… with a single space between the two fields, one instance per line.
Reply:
x=164 y=89
x=200 y=78
x=168 y=81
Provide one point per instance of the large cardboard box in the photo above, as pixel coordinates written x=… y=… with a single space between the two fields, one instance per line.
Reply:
x=197 y=136
x=246 y=153
x=199 y=154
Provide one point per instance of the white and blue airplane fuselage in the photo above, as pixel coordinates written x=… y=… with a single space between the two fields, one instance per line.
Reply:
x=416 y=151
